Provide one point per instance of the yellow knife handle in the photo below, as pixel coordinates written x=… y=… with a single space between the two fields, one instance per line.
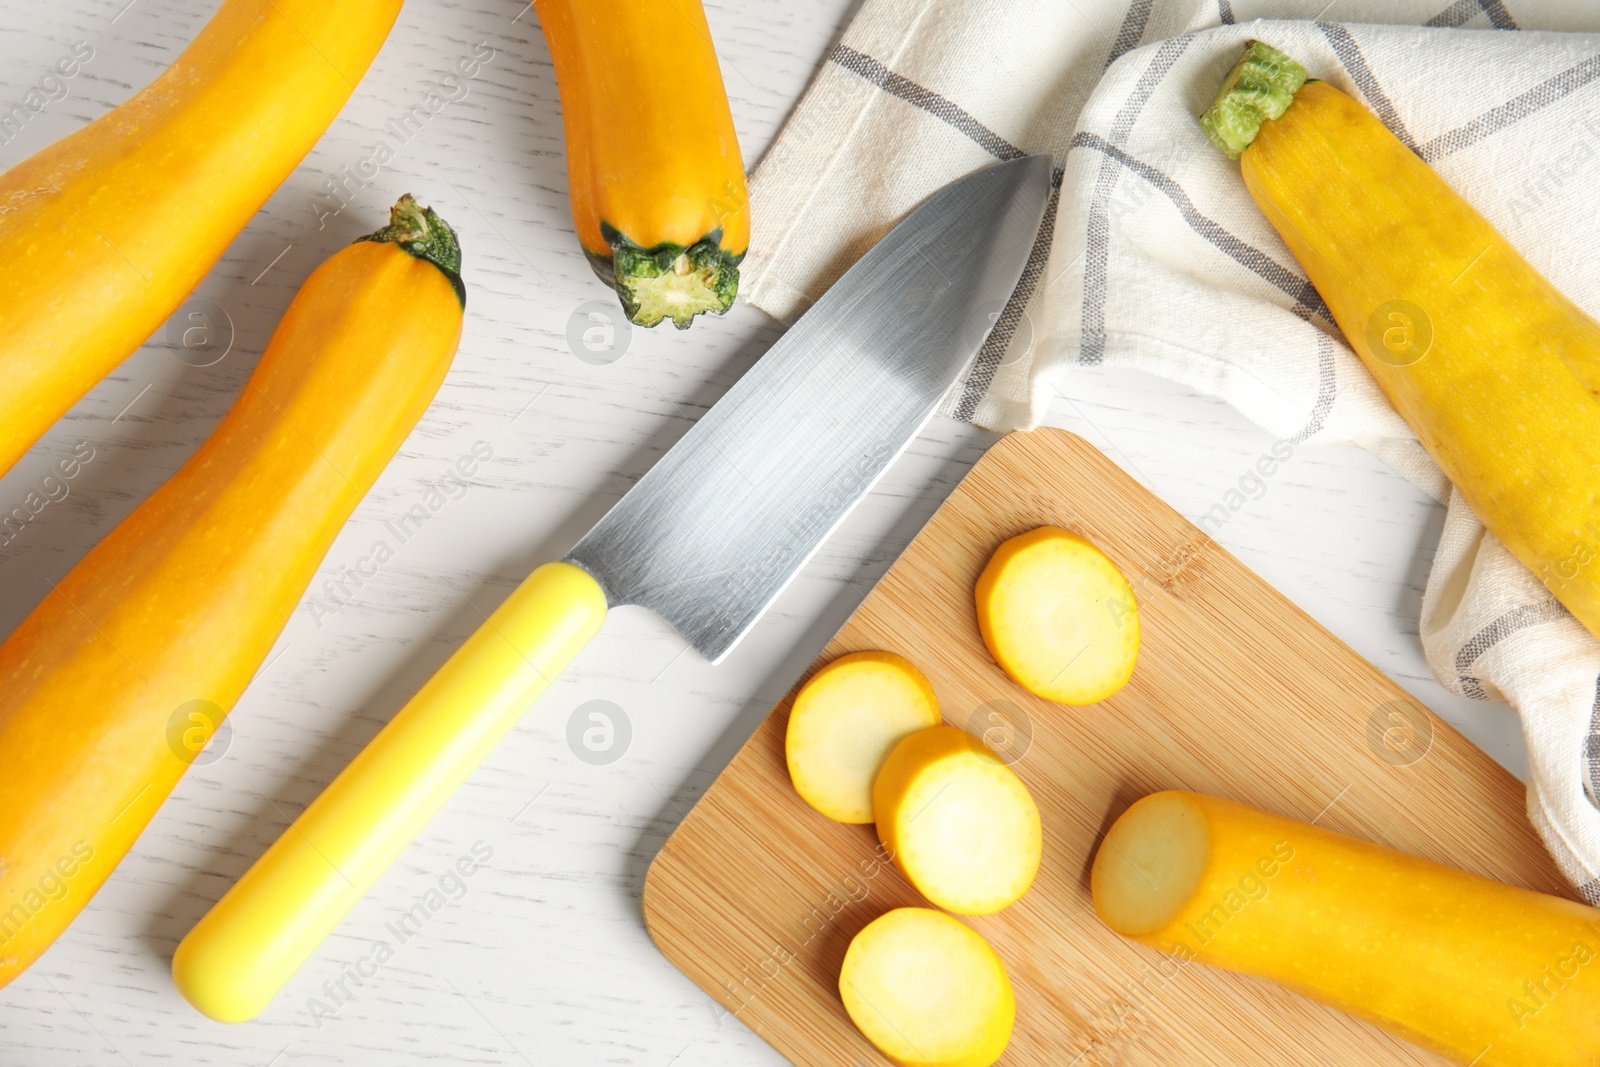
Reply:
x=250 y=944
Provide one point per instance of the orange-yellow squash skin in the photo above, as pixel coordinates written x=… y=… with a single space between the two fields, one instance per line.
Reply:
x=104 y=232
x=111 y=684
x=656 y=178
x=1480 y=972
x=1489 y=363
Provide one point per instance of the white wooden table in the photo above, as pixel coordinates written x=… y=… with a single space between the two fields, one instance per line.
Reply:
x=543 y=959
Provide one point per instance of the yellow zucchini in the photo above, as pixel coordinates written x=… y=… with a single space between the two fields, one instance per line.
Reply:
x=1490 y=364
x=105 y=231
x=1479 y=972
x=110 y=686
x=928 y=991
x=844 y=722
x=1058 y=616
x=960 y=824
x=653 y=165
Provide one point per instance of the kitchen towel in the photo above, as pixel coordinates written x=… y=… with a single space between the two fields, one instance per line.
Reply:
x=1153 y=256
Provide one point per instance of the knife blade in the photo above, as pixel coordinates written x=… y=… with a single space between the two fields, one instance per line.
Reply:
x=711 y=534
x=707 y=539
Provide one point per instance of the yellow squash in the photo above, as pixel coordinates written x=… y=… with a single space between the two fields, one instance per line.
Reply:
x=928 y=990
x=845 y=721
x=1058 y=616
x=1491 y=365
x=653 y=164
x=105 y=231
x=960 y=824
x=1479 y=972
x=114 y=682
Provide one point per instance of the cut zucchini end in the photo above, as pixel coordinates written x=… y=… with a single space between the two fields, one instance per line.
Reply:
x=1151 y=863
x=1260 y=86
x=673 y=282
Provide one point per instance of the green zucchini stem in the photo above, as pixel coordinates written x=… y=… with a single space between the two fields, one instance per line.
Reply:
x=669 y=281
x=1260 y=86
x=422 y=233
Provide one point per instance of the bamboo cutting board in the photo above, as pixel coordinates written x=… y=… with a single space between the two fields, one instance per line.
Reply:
x=1237 y=692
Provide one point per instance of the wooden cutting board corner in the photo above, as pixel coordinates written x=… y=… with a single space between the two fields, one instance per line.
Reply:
x=1237 y=692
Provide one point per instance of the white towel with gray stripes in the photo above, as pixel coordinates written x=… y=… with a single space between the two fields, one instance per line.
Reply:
x=1154 y=256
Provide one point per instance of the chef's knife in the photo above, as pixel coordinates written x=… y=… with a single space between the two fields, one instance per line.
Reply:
x=706 y=539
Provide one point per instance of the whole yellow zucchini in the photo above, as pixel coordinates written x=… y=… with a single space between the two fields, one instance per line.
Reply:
x=1494 y=369
x=1479 y=972
x=105 y=231
x=112 y=684
x=656 y=179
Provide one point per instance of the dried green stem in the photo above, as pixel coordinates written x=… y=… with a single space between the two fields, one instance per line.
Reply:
x=422 y=233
